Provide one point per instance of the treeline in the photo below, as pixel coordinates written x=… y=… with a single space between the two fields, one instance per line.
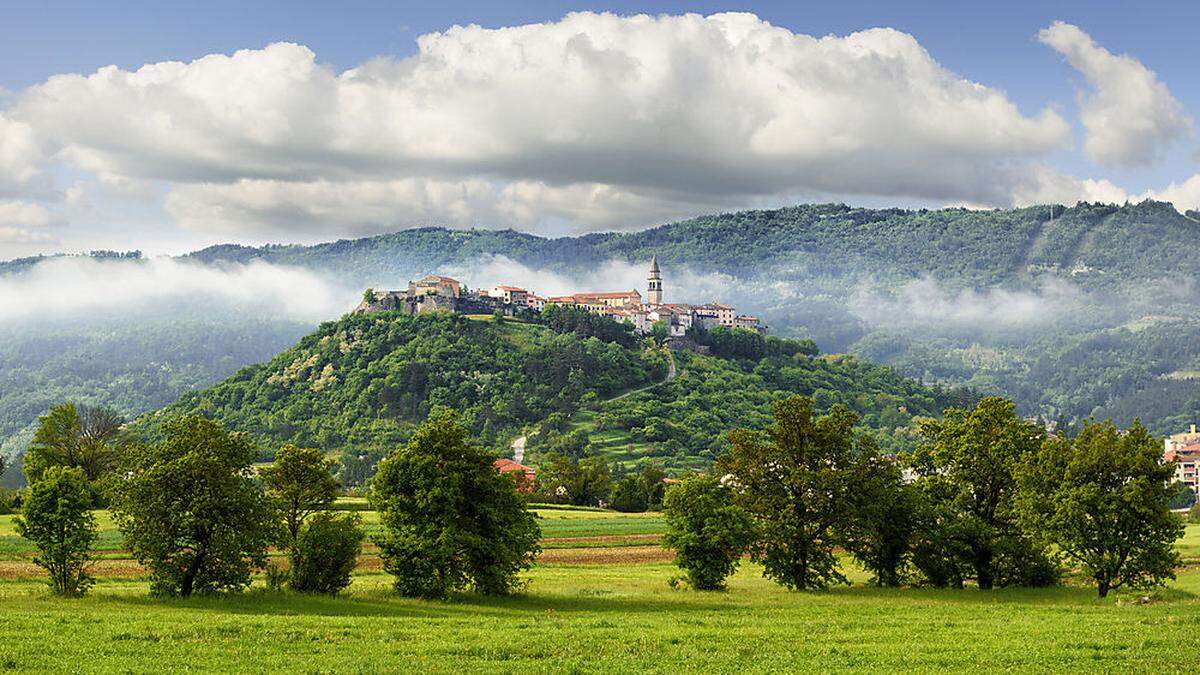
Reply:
x=993 y=499
x=192 y=510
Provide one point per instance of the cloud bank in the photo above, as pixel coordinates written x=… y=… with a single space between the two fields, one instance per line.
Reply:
x=592 y=122
x=87 y=287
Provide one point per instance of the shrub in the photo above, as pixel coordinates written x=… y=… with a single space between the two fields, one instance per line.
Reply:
x=56 y=517
x=1194 y=515
x=707 y=531
x=326 y=552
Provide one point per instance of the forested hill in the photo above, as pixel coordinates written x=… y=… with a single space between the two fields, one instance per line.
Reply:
x=359 y=386
x=367 y=381
x=1101 y=245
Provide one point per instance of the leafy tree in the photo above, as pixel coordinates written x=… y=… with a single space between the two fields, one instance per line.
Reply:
x=628 y=496
x=325 y=553
x=798 y=483
x=189 y=509
x=77 y=436
x=707 y=530
x=641 y=491
x=966 y=466
x=56 y=517
x=883 y=528
x=450 y=519
x=301 y=481
x=368 y=295
x=1102 y=499
x=584 y=482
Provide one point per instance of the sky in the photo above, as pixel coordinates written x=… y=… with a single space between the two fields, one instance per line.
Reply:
x=166 y=126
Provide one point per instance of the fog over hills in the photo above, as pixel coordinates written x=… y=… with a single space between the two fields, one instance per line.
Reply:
x=1090 y=309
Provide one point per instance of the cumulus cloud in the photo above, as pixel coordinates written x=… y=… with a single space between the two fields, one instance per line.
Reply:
x=20 y=222
x=1041 y=184
x=82 y=287
x=1130 y=116
x=21 y=159
x=592 y=122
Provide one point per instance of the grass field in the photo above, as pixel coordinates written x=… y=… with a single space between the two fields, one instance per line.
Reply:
x=596 y=618
x=598 y=601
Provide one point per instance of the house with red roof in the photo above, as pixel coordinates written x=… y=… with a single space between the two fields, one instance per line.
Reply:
x=528 y=475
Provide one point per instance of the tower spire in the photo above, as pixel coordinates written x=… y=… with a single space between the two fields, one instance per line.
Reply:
x=654 y=279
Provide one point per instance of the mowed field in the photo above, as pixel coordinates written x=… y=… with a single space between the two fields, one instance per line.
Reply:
x=598 y=601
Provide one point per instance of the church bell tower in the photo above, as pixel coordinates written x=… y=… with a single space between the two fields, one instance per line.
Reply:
x=655 y=290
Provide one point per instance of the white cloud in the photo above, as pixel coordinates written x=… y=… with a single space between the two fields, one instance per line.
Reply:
x=27 y=214
x=21 y=159
x=85 y=287
x=1185 y=195
x=20 y=235
x=1130 y=116
x=592 y=122
x=1041 y=184
x=925 y=303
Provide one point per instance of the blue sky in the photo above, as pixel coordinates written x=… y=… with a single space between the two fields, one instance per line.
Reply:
x=995 y=45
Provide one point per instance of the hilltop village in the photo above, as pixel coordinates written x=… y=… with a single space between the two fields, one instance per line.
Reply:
x=434 y=292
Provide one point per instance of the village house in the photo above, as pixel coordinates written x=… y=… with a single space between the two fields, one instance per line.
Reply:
x=512 y=295
x=527 y=475
x=436 y=292
x=1184 y=450
x=435 y=285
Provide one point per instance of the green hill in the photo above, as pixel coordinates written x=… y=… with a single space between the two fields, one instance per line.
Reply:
x=360 y=385
x=365 y=381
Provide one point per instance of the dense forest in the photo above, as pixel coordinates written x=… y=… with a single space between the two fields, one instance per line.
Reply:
x=688 y=418
x=1070 y=311
x=366 y=381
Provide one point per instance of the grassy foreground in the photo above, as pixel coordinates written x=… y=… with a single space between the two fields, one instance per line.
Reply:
x=603 y=619
x=582 y=617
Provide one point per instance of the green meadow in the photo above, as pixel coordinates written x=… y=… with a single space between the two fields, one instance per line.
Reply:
x=593 y=606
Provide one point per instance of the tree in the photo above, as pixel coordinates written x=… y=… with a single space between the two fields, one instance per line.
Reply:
x=585 y=482
x=301 y=481
x=797 y=482
x=56 y=516
x=368 y=295
x=72 y=435
x=628 y=496
x=965 y=464
x=450 y=519
x=189 y=509
x=1102 y=499
x=882 y=529
x=707 y=530
x=325 y=553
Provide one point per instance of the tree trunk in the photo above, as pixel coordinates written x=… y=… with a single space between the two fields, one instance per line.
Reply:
x=983 y=569
x=188 y=581
x=1102 y=588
